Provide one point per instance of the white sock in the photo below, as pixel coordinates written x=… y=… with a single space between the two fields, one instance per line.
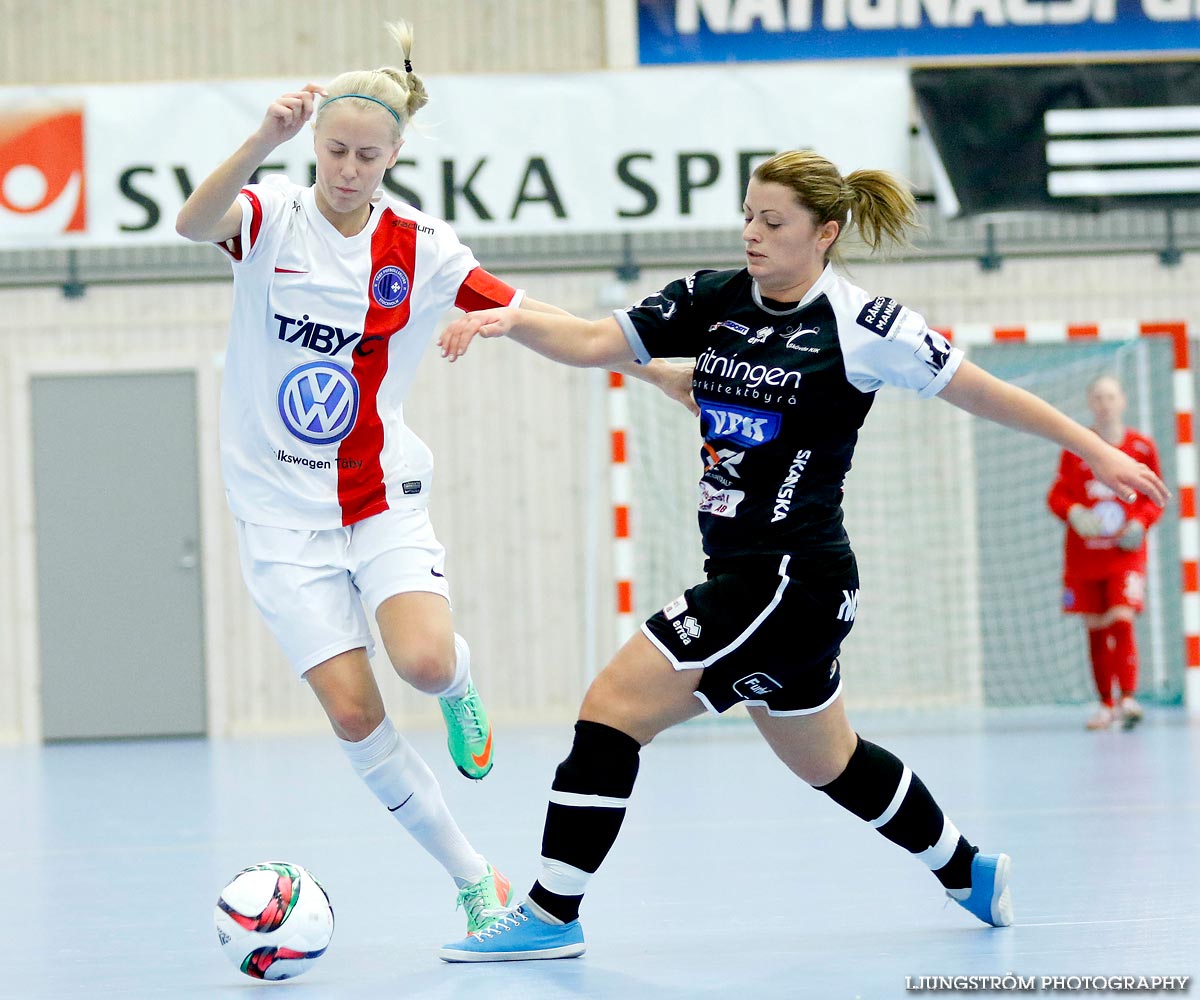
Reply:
x=462 y=670
x=402 y=781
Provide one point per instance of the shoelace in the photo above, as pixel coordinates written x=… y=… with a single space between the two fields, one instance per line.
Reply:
x=510 y=921
x=471 y=898
x=464 y=711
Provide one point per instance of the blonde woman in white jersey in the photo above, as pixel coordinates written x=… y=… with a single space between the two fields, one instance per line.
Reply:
x=337 y=292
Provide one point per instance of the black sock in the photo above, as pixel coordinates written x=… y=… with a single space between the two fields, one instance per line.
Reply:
x=871 y=788
x=587 y=807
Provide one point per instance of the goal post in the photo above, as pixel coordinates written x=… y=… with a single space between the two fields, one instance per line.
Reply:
x=1172 y=400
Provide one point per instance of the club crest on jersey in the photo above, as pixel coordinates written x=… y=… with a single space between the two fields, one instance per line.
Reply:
x=318 y=402
x=389 y=287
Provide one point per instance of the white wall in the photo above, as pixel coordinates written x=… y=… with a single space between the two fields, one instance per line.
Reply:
x=82 y=41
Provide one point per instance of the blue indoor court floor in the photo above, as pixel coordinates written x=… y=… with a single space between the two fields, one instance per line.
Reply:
x=730 y=879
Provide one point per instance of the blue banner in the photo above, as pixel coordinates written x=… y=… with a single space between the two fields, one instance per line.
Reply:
x=678 y=31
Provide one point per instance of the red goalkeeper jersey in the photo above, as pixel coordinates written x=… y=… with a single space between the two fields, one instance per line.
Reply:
x=1099 y=557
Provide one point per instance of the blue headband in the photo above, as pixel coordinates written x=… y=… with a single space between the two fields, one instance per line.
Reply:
x=363 y=97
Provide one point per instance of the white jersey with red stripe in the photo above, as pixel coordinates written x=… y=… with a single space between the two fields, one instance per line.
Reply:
x=326 y=335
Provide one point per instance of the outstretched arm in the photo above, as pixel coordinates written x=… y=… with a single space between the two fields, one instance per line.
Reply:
x=210 y=214
x=673 y=379
x=972 y=389
x=556 y=335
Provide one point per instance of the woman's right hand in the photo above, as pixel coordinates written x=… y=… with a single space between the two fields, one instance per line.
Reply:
x=289 y=112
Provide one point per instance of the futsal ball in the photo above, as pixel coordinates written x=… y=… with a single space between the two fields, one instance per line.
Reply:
x=274 y=920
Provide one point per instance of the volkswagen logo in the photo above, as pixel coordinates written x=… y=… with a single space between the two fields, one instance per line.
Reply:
x=319 y=402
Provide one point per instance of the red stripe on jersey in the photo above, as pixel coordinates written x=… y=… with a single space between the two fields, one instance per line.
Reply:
x=481 y=290
x=361 y=491
x=233 y=246
x=256 y=215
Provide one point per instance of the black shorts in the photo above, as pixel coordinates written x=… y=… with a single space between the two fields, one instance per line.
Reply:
x=762 y=635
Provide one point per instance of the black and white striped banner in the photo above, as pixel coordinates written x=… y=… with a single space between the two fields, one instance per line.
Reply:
x=1063 y=137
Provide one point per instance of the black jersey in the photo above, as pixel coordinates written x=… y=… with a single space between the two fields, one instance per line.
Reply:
x=782 y=390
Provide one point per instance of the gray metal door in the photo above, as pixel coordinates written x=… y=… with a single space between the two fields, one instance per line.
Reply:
x=117 y=517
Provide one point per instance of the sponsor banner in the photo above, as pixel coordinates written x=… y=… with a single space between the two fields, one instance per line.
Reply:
x=691 y=31
x=1070 y=137
x=661 y=149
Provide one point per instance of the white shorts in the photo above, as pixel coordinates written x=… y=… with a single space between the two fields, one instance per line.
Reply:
x=311 y=586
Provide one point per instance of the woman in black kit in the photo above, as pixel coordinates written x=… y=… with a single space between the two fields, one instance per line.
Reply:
x=788 y=356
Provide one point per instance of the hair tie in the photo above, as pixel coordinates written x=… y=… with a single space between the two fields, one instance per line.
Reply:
x=407 y=66
x=367 y=97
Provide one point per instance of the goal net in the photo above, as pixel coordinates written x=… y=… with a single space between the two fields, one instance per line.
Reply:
x=959 y=557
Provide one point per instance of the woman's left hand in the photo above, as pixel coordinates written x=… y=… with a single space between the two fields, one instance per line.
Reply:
x=1128 y=477
x=676 y=382
x=483 y=323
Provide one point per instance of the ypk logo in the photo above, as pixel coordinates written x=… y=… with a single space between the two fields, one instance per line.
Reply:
x=849 y=608
x=390 y=286
x=743 y=425
x=318 y=402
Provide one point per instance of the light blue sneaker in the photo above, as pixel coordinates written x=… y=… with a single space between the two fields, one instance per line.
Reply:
x=989 y=898
x=517 y=936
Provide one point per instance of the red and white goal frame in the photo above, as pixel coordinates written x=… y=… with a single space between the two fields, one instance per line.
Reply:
x=622 y=499
x=971 y=334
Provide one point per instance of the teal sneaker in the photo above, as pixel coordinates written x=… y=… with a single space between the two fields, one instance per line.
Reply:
x=484 y=900
x=468 y=733
x=517 y=936
x=989 y=897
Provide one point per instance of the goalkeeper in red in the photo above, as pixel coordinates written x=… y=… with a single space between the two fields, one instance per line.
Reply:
x=1104 y=565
